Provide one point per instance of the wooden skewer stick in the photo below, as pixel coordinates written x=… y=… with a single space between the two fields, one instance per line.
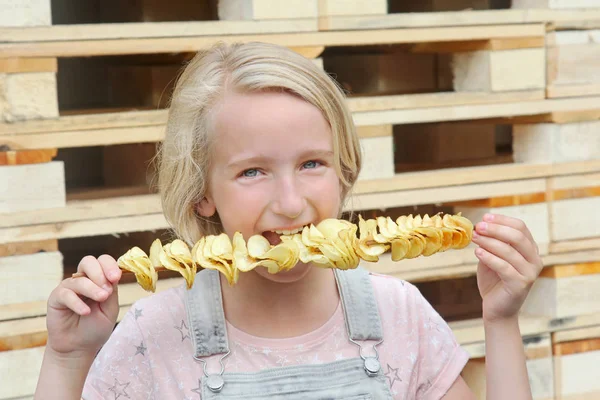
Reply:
x=81 y=274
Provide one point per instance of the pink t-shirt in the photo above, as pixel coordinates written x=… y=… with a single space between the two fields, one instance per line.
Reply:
x=149 y=355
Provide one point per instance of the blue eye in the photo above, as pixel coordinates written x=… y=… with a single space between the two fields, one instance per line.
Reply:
x=250 y=173
x=311 y=164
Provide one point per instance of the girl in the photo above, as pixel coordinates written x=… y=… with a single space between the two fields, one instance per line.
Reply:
x=259 y=140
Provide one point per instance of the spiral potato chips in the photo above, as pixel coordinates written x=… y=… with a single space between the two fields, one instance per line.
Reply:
x=332 y=243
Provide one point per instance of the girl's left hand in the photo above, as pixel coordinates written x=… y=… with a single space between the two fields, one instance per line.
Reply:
x=509 y=264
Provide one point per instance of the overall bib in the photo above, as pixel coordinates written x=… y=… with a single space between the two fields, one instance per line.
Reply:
x=350 y=379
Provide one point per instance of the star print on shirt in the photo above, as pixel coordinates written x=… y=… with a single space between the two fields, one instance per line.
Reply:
x=138 y=313
x=119 y=389
x=392 y=375
x=141 y=349
x=183 y=329
x=198 y=389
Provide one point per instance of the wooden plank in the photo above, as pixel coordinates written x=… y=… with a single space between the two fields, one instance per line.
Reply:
x=564 y=297
x=576 y=376
x=25 y=13
x=556 y=4
x=14 y=65
x=479 y=45
x=13 y=157
x=86 y=210
x=28 y=96
x=521 y=69
x=575 y=64
x=533 y=143
x=460 y=18
x=108 y=226
x=148 y=30
x=29 y=278
x=577 y=346
x=478 y=174
x=13 y=249
x=365 y=132
x=400 y=198
x=336 y=8
x=22 y=366
x=533 y=198
x=266 y=9
x=574 y=245
x=31 y=187
x=575 y=218
x=378 y=153
x=463 y=112
x=564 y=271
x=591 y=332
x=556 y=91
x=46 y=46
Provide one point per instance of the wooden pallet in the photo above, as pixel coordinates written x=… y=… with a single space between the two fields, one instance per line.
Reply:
x=437 y=71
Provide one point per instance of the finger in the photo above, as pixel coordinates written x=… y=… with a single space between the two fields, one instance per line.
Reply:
x=64 y=298
x=92 y=269
x=503 y=251
x=514 y=237
x=514 y=223
x=505 y=271
x=86 y=287
x=111 y=270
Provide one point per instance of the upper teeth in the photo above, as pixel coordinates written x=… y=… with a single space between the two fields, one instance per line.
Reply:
x=285 y=232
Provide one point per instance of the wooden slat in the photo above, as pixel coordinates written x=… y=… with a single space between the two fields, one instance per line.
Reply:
x=462 y=18
x=555 y=91
x=148 y=30
x=480 y=45
x=591 y=332
x=575 y=347
x=565 y=271
x=471 y=175
x=574 y=245
x=533 y=198
x=22 y=186
x=13 y=249
x=14 y=65
x=27 y=156
x=42 y=46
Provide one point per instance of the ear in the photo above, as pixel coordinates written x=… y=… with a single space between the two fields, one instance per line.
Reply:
x=206 y=207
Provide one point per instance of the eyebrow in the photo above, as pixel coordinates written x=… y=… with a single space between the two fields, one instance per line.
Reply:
x=235 y=164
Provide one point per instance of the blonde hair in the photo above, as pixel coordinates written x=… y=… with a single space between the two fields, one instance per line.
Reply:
x=184 y=155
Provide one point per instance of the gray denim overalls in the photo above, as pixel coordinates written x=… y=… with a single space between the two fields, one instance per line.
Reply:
x=351 y=379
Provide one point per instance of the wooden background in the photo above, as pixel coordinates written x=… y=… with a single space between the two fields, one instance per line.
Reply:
x=462 y=106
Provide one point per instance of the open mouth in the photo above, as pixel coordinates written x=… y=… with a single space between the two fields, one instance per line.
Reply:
x=274 y=237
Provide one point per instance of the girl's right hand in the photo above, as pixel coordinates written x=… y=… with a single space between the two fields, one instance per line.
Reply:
x=82 y=311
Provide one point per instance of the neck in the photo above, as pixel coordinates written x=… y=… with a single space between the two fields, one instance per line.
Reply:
x=265 y=308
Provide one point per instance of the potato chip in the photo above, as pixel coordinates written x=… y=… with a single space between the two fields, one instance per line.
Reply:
x=136 y=261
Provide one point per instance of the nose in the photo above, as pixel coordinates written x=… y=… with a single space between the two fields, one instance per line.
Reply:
x=289 y=200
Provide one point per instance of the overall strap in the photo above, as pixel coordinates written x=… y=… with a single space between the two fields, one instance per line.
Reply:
x=360 y=304
x=206 y=317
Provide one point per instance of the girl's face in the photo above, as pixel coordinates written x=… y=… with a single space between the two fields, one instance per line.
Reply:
x=272 y=169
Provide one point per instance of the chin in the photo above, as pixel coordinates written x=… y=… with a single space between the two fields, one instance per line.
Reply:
x=299 y=271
